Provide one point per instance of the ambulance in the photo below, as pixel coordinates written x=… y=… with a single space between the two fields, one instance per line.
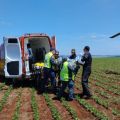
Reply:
x=14 y=55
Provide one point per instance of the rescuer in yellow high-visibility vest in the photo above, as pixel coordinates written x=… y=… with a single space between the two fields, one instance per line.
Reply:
x=47 y=63
x=48 y=72
x=64 y=74
x=56 y=67
x=67 y=77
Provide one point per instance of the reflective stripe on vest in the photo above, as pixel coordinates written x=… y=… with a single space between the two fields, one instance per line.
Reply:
x=64 y=75
x=47 y=63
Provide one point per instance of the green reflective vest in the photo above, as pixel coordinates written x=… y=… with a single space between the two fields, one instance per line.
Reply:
x=47 y=63
x=64 y=74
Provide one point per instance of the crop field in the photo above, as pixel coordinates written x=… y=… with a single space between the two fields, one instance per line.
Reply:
x=23 y=102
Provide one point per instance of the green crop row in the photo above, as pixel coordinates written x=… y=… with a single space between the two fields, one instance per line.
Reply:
x=100 y=101
x=70 y=109
x=5 y=97
x=1 y=86
x=108 y=88
x=103 y=93
x=110 y=100
x=104 y=81
x=116 y=112
x=97 y=99
x=90 y=108
x=17 y=110
x=34 y=105
x=111 y=79
x=54 y=111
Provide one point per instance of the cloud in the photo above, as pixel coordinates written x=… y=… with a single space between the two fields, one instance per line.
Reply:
x=98 y=36
x=94 y=36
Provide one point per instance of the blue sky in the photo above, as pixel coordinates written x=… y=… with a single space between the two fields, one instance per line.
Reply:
x=75 y=23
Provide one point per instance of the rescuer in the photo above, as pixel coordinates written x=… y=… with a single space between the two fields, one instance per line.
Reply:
x=57 y=66
x=67 y=77
x=74 y=59
x=73 y=54
x=30 y=56
x=48 y=71
x=87 y=59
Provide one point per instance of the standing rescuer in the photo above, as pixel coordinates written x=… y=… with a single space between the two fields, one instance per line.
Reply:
x=87 y=59
x=56 y=66
x=67 y=76
x=48 y=71
x=73 y=54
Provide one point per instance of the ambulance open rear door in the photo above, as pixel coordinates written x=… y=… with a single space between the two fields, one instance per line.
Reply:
x=13 y=58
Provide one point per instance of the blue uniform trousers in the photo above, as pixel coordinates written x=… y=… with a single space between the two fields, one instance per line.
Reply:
x=70 y=85
x=48 y=74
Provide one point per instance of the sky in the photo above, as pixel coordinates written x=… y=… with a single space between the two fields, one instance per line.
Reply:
x=75 y=23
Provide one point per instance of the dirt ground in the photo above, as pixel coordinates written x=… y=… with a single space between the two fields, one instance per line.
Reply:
x=26 y=111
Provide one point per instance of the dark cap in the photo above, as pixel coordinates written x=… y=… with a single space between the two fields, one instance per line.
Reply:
x=87 y=48
x=64 y=58
x=73 y=50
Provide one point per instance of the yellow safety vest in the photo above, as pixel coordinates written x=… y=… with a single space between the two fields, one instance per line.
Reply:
x=47 y=63
x=64 y=75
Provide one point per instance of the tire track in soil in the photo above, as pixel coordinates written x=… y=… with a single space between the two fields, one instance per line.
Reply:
x=26 y=112
x=10 y=106
x=65 y=115
x=44 y=110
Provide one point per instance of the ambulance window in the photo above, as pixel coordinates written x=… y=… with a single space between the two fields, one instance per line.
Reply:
x=12 y=40
x=13 y=51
